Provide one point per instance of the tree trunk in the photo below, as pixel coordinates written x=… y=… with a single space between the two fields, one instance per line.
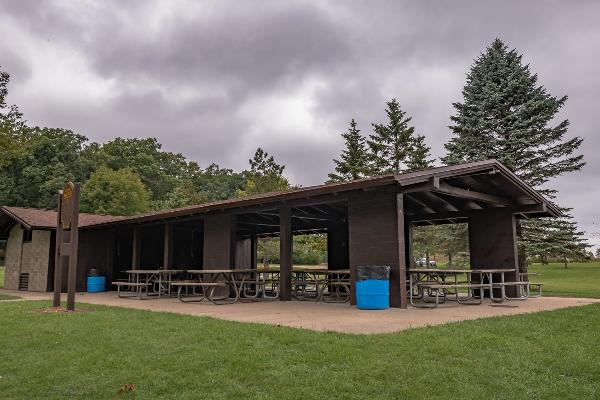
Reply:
x=426 y=258
x=449 y=260
x=565 y=261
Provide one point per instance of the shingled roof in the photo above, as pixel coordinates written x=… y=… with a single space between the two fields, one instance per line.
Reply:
x=34 y=218
x=530 y=196
x=505 y=183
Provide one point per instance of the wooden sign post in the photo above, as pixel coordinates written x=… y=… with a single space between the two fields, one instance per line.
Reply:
x=67 y=235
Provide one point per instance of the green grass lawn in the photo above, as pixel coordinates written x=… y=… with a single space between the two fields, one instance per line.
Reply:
x=579 y=279
x=4 y=296
x=91 y=354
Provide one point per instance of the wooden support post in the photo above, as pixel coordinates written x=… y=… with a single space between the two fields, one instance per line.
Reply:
x=493 y=244
x=408 y=241
x=109 y=265
x=337 y=245
x=219 y=241
x=376 y=231
x=285 y=253
x=137 y=248
x=253 y=251
x=58 y=260
x=398 y=270
x=168 y=247
x=73 y=241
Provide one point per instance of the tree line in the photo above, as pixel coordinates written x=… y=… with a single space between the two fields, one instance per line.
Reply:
x=124 y=176
x=504 y=114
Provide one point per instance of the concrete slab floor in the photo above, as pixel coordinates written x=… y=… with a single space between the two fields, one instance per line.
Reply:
x=320 y=316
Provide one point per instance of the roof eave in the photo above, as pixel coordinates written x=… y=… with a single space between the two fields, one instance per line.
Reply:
x=16 y=218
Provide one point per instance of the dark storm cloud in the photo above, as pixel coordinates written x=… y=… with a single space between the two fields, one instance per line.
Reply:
x=232 y=50
x=216 y=79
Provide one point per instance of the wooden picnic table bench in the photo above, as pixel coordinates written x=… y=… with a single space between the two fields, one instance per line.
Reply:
x=442 y=287
x=207 y=290
x=139 y=286
x=233 y=278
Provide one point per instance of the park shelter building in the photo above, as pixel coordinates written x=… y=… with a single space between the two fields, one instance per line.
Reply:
x=367 y=221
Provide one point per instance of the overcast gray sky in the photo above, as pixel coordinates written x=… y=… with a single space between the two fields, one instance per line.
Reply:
x=214 y=80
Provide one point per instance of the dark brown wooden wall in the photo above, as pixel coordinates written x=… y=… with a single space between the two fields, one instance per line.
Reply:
x=337 y=245
x=152 y=248
x=187 y=248
x=123 y=252
x=376 y=237
x=96 y=250
x=493 y=244
x=243 y=254
x=219 y=241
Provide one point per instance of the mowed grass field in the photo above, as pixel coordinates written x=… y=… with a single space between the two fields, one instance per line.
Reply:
x=94 y=352
x=578 y=280
x=4 y=296
x=91 y=354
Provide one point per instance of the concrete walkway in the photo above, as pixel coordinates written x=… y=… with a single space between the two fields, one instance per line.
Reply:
x=321 y=316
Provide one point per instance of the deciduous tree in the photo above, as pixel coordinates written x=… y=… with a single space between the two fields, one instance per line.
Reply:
x=111 y=192
x=265 y=175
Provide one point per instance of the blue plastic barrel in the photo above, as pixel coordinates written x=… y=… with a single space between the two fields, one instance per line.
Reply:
x=373 y=294
x=96 y=284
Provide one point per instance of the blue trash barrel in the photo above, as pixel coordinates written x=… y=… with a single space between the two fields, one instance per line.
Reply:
x=373 y=287
x=96 y=284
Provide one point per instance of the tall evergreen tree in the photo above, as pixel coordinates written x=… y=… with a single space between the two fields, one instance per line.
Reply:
x=353 y=160
x=508 y=116
x=561 y=239
x=265 y=175
x=394 y=147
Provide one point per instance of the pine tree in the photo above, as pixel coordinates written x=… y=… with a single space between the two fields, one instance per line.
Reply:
x=395 y=148
x=353 y=160
x=265 y=175
x=508 y=116
x=560 y=239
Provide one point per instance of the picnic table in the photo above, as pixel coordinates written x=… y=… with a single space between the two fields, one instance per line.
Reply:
x=153 y=282
x=436 y=281
x=265 y=284
x=217 y=284
x=312 y=283
x=226 y=286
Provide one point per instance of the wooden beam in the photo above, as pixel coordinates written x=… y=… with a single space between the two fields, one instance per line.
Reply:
x=308 y=201
x=431 y=184
x=301 y=215
x=285 y=254
x=435 y=185
x=448 y=204
x=528 y=209
x=425 y=207
x=473 y=195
